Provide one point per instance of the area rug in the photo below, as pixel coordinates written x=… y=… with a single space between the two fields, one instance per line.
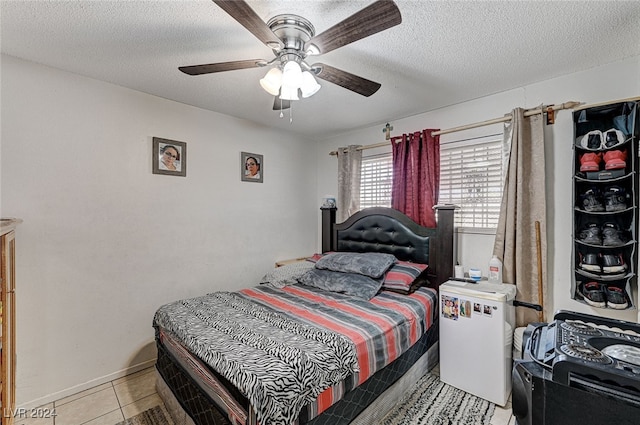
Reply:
x=153 y=416
x=433 y=402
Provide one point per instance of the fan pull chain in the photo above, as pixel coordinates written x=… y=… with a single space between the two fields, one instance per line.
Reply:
x=290 y=111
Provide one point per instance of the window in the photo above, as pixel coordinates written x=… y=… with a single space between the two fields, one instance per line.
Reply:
x=471 y=177
x=375 y=181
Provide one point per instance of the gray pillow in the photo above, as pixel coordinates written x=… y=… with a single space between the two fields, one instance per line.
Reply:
x=286 y=275
x=353 y=284
x=372 y=264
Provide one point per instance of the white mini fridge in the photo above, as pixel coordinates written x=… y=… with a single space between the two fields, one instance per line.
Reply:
x=476 y=329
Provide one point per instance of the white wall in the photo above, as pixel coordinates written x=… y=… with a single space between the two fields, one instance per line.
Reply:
x=105 y=242
x=599 y=84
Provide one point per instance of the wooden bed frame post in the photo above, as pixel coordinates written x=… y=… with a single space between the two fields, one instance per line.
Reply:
x=252 y=419
x=445 y=244
x=328 y=220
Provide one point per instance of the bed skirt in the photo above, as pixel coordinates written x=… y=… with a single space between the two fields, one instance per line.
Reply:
x=188 y=404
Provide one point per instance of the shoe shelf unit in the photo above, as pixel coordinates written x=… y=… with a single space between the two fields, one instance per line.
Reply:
x=605 y=195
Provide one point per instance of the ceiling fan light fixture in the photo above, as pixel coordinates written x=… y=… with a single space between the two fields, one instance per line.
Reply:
x=272 y=81
x=289 y=93
x=309 y=85
x=292 y=75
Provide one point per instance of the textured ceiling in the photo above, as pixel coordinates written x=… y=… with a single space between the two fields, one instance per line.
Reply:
x=443 y=52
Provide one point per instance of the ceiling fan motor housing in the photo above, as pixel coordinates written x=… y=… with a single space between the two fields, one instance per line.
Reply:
x=294 y=31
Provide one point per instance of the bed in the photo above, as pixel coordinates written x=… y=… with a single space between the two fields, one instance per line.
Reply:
x=311 y=352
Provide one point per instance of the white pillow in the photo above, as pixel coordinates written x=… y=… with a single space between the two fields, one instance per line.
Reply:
x=286 y=275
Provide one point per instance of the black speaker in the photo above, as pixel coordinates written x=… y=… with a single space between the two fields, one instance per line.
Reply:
x=522 y=396
x=538 y=400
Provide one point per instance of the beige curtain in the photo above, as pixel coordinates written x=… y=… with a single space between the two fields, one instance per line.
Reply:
x=523 y=203
x=349 y=167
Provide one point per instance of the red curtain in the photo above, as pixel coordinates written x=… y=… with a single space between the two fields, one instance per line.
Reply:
x=416 y=175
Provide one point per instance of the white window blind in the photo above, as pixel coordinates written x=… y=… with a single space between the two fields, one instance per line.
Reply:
x=375 y=181
x=471 y=177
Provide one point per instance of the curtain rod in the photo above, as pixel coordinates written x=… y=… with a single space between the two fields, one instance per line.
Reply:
x=610 y=102
x=527 y=113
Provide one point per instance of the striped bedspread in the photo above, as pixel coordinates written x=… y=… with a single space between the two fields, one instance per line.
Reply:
x=295 y=346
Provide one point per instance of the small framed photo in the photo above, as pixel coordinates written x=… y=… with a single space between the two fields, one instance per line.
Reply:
x=169 y=157
x=251 y=167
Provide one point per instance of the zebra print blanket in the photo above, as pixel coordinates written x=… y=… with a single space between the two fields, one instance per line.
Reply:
x=261 y=351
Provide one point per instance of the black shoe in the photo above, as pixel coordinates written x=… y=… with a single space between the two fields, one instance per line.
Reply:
x=592 y=140
x=612 y=138
x=593 y=294
x=615 y=198
x=616 y=298
x=590 y=263
x=591 y=201
x=613 y=263
x=591 y=234
x=612 y=235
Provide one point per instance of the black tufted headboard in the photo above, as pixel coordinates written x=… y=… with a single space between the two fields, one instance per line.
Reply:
x=390 y=231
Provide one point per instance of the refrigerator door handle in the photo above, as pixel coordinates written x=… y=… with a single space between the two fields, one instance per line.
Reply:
x=536 y=307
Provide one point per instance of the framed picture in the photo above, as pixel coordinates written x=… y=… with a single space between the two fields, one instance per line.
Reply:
x=169 y=157
x=251 y=167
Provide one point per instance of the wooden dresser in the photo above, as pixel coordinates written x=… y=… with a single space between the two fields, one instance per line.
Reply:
x=7 y=315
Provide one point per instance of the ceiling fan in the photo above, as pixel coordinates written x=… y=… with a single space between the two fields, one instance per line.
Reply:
x=292 y=39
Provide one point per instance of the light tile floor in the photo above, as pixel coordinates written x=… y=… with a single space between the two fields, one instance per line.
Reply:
x=115 y=401
x=106 y=404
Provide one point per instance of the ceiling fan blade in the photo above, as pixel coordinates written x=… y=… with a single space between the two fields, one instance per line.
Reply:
x=376 y=17
x=281 y=104
x=219 y=67
x=345 y=79
x=244 y=14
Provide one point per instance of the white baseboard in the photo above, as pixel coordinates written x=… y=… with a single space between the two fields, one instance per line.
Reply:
x=49 y=398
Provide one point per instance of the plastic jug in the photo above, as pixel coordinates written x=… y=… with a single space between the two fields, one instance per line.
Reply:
x=495 y=270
